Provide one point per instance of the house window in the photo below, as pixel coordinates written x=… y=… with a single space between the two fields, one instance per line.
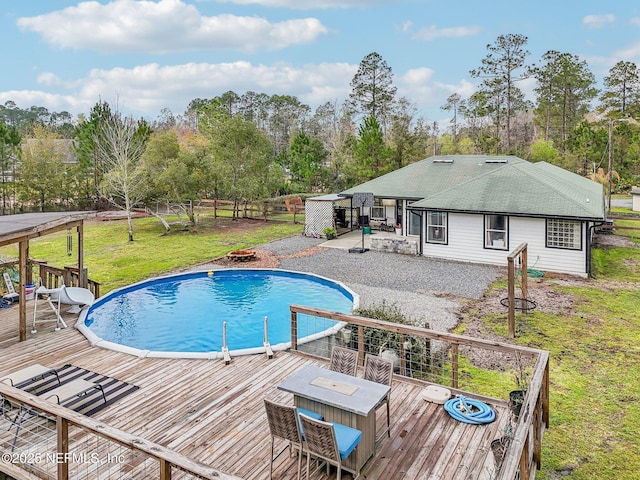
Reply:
x=377 y=211
x=564 y=234
x=414 y=223
x=496 y=232
x=437 y=227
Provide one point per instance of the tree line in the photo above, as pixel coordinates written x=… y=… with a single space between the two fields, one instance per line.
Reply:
x=254 y=146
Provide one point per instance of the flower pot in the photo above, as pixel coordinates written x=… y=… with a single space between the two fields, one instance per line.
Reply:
x=398 y=231
x=516 y=399
x=499 y=448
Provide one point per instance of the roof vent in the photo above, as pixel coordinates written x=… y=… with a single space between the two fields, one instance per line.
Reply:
x=443 y=160
x=496 y=160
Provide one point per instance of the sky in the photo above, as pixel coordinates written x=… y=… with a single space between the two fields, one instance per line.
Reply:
x=145 y=56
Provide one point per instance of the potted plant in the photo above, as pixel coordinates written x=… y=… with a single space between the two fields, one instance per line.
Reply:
x=499 y=446
x=330 y=233
x=516 y=397
x=399 y=229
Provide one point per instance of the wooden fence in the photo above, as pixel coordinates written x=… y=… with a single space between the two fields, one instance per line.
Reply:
x=291 y=211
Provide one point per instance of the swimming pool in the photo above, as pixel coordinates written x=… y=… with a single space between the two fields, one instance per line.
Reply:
x=183 y=315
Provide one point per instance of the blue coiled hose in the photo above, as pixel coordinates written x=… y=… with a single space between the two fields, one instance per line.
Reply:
x=469 y=410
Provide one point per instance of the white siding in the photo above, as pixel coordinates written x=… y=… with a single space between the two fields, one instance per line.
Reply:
x=466 y=243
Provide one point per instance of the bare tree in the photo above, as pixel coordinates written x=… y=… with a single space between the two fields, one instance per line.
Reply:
x=120 y=143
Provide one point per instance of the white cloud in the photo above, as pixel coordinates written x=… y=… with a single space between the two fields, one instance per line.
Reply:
x=635 y=21
x=310 y=4
x=419 y=86
x=598 y=21
x=433 y=33
x=164 y=26
x=631 y=52
x=147 y=89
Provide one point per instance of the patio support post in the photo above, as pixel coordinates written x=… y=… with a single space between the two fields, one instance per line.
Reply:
x=82 y=274
x=22 y=304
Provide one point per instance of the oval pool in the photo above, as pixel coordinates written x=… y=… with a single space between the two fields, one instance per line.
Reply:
x=183 y=315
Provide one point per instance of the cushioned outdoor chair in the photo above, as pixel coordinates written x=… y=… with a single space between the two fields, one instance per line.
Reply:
x=344 y=360
x=380 y=370
x=331 y=442
x=284 y=423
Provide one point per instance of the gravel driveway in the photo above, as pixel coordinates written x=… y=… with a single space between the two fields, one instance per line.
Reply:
x=426 y=290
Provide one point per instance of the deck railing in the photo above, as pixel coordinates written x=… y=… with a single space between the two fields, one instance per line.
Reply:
x=53 y=277
x=479 y=368
x=54 y=442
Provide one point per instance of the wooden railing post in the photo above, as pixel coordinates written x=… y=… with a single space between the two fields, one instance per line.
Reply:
x=524 y=460
x=165 y=470
x=360 y=345
x=454 y=365
x=62 y=429
x=511 y=275
x=294 y=330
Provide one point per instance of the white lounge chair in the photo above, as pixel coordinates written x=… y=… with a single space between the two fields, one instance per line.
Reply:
x=11 y=294
x=63 y=295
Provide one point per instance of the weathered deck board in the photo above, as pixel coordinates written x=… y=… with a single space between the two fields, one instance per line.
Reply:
x=214 y=412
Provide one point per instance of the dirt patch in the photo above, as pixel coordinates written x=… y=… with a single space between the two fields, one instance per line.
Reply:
x=542 y=291
x=263 y=259
x=613 y=240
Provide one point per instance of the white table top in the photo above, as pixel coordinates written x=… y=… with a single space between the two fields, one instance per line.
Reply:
x=352 y=394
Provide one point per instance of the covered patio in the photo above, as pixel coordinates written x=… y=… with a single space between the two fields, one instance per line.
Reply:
x=24 y=227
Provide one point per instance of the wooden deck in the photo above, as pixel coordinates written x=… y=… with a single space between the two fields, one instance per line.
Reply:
x=214 y=413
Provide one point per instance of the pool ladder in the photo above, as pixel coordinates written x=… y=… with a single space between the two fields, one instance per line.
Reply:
x=265 y=342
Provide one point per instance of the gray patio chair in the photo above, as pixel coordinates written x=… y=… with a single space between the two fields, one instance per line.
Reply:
x=344 y=360
x=331 y=442
x=285 y=424
x=380 y=370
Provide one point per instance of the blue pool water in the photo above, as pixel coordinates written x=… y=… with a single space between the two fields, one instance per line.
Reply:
x=185 y=313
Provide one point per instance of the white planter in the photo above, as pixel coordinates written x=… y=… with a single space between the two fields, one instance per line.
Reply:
x=398 y=231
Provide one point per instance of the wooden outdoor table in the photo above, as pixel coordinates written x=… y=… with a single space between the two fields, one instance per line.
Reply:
x=340 y=398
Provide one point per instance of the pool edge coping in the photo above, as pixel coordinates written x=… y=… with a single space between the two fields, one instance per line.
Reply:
x=96 y=341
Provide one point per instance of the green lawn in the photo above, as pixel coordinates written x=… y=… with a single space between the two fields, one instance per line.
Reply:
x=594 y=370
x=115 y=262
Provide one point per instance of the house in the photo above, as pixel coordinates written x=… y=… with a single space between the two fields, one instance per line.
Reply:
x=477 y=208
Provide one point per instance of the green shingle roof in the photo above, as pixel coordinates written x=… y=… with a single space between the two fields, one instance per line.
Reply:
x=500 y=184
